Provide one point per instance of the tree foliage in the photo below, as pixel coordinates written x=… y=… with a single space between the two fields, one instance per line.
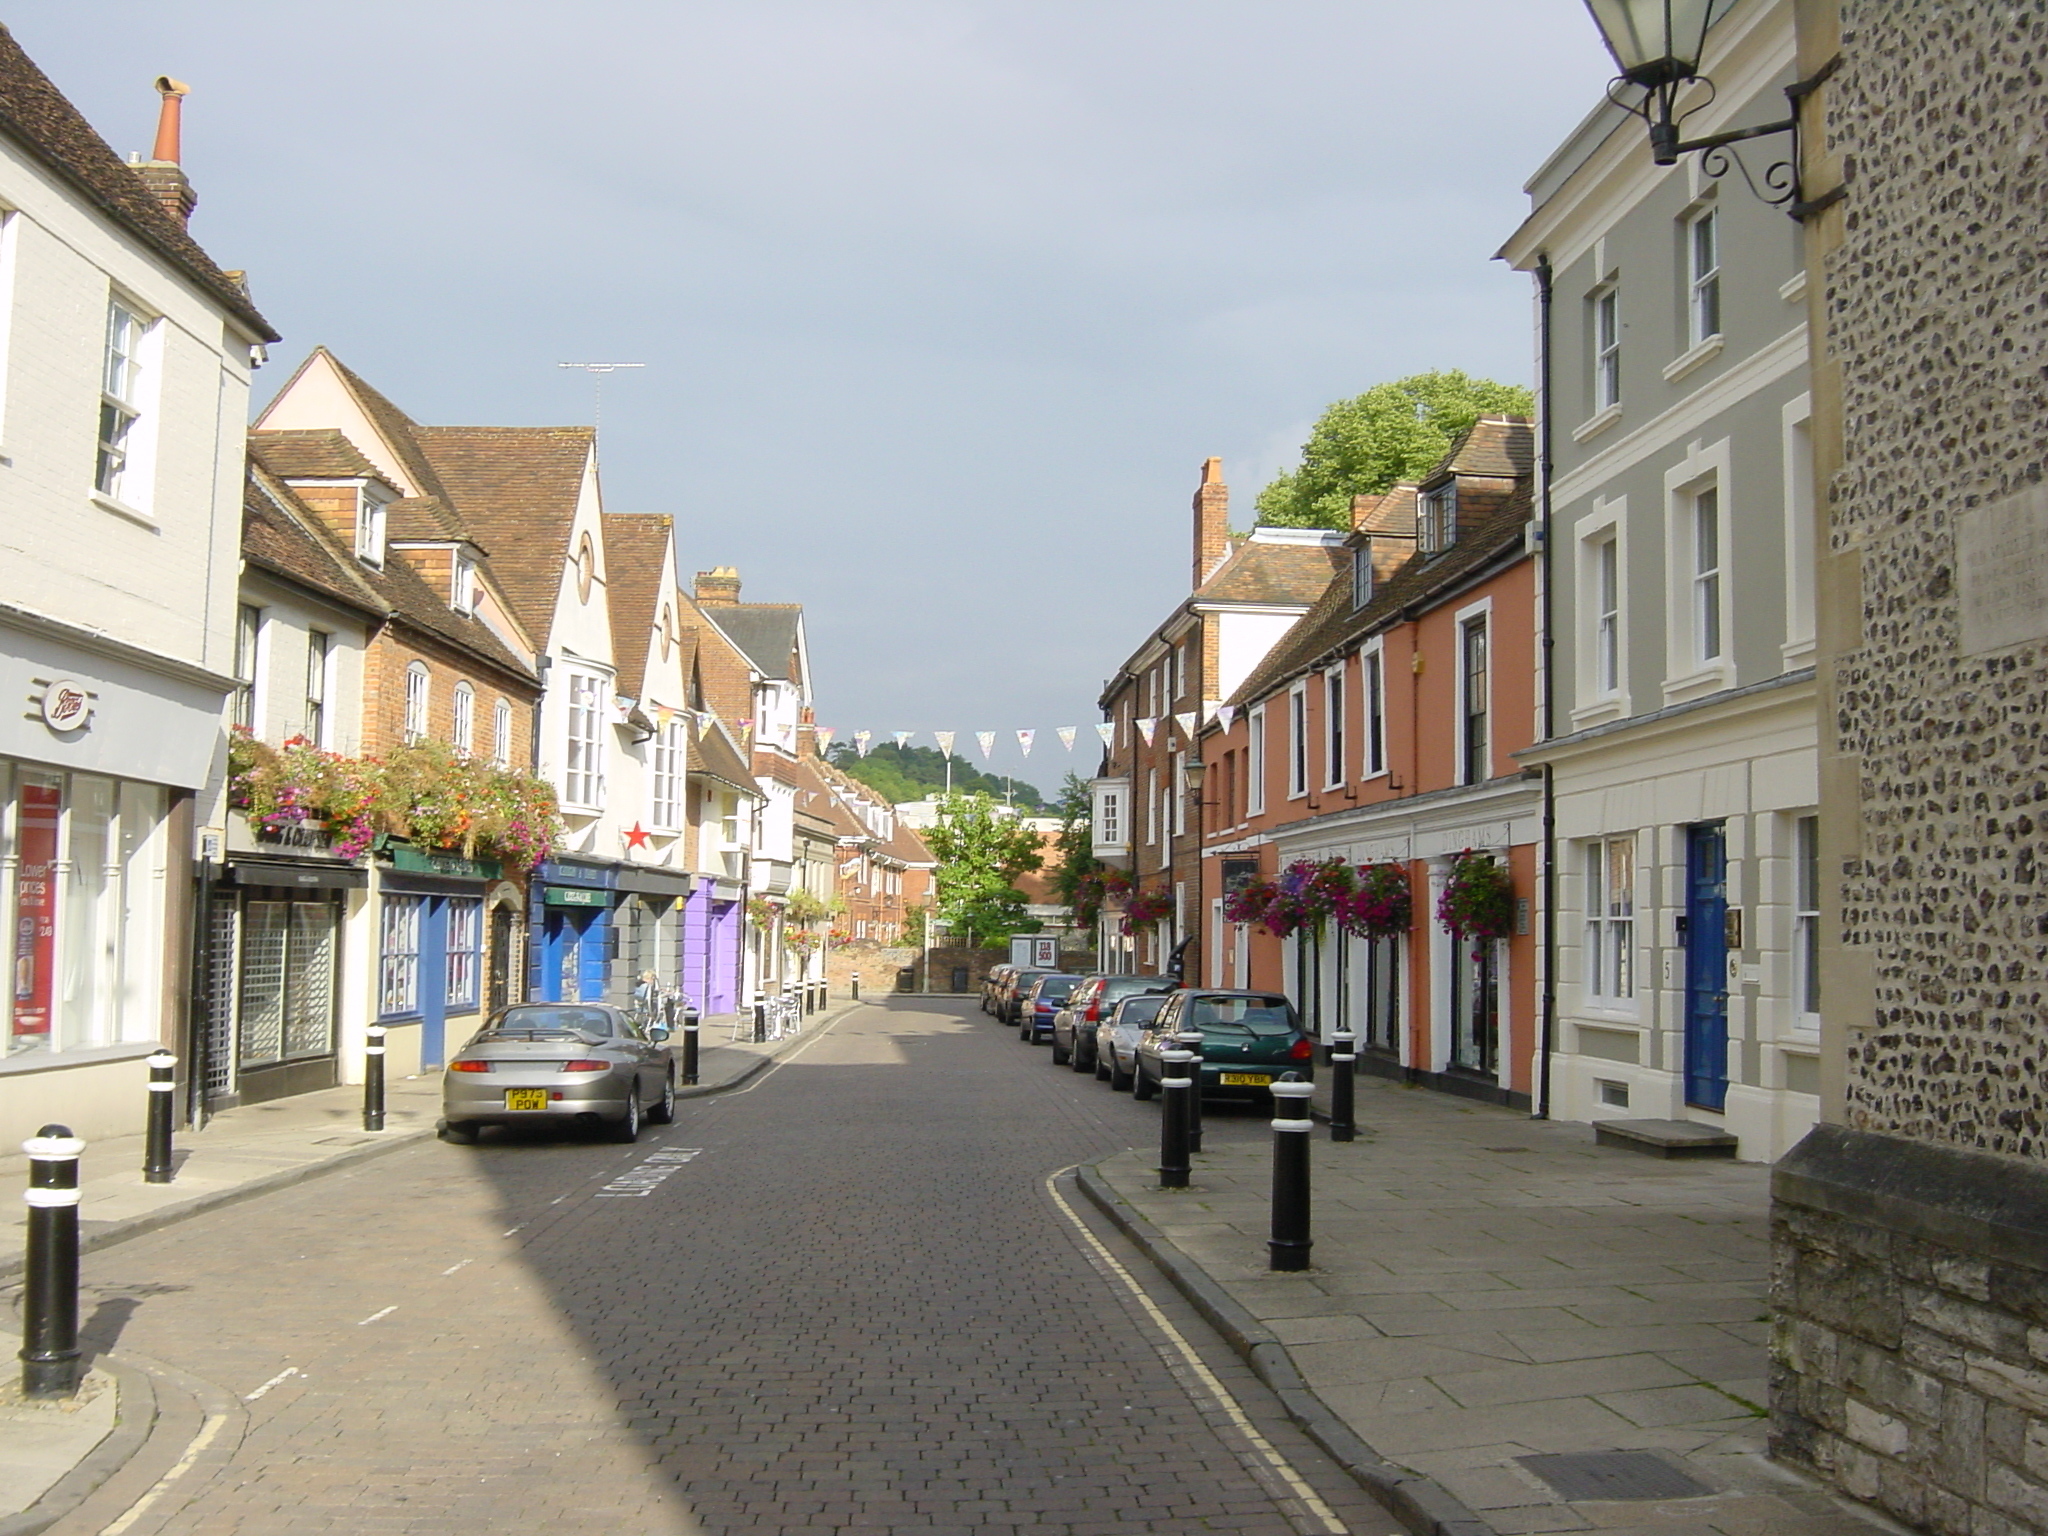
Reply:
x=1390 y=435
x=917 y=773
x=1076 y=810
x=980 y=857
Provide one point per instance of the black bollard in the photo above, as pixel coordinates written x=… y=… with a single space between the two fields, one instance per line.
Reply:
x=1290 y=1244
x=156 y=1150
x=760 y=1017
x=49 y=1308
x=1343 y=1066
x=373 y=1080
x=1190 y=1039
x=810 y=997
x=855 y=979
x=691 y=1019
x=1173 y=1119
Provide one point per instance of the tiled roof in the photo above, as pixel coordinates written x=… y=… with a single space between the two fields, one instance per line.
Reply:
x=517 y=488
x=417 y=603
x=1503 y=447
x=1272 y=573
x=427 y=519
x=288 y=539
x=320 y=453
x=713 y=755
x=635 y=545
x=905 y=844
x=35 y=113
x=392 y=424
x=766 y=632
x=1332 y=623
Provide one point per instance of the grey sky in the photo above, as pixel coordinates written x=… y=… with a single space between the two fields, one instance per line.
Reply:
x=943 y=301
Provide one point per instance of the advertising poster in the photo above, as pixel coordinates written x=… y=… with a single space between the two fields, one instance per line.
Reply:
x=35 y=909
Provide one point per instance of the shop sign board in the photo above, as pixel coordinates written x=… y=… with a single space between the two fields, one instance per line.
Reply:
x=421 y=862
x=35 y=908
x=575 y=896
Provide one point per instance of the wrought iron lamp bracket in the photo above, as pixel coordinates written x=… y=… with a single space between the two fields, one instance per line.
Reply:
x=1780 y=184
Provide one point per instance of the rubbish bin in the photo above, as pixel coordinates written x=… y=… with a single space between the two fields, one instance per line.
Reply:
x=959 y=978
x=906 y=978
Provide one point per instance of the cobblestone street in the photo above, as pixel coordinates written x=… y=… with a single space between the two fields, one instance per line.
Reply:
x=844 y=1298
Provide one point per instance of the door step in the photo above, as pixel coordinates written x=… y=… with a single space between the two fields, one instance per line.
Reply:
x=1665 y=1138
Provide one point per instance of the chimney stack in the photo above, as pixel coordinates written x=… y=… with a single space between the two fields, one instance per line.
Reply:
x=718 y=588
x=162 y=173
x=1212 y=521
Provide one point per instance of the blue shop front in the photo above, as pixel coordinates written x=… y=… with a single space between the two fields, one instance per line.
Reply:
x=574 y=931
x=431 y=947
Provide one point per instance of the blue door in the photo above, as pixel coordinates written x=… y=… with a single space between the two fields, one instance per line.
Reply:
x=1706 y=967
x=575 y=955
x=433 y=981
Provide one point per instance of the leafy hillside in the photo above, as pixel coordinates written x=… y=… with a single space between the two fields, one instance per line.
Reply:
x=917 y=773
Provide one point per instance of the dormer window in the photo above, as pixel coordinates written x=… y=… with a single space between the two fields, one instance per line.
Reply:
x=463 y=599
x=1436 y=522
x=370 y=518
x=1361 y=574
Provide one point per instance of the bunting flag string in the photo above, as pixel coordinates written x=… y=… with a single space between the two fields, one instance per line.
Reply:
x=825 y=735
x=1147 y=724
x=1024 y=740
x=1066 y=734
x=945 y=741
x=1186 y=722
x=1107 y=731
x=902 y=738
x=1226 y=713
x=1209 y=708
x=987 y=742
x=861 y=740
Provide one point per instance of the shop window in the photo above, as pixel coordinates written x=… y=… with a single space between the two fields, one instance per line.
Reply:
x=287 y=990
x=465 y=951
x=398 y=964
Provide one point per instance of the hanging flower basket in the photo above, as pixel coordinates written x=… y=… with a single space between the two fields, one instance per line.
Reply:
x=1146 y=907
x=1249 y=904
x=1478 y=901
x=1094 y=891
x=1380 y=904
x=1308 y=894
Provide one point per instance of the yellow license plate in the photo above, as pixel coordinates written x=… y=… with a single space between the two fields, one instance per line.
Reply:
x=537 y=1098
x=1247 y=1079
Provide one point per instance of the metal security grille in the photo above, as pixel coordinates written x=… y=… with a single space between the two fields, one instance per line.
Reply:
x=219 y=1000
x=264 y=925
x=309 y=981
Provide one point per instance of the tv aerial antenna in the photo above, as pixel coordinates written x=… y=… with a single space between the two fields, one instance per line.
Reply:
x=597 y=372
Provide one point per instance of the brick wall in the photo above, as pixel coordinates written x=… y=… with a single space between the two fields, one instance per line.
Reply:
x=385 y=663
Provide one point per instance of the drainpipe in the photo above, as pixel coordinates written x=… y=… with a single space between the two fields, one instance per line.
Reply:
x=1546 y=569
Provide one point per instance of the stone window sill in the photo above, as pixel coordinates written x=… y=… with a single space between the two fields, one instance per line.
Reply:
x=1597 y=423
x=88 y=1056
x=1794 y=287
x=1685 y=362
x=122 y=509
x=1600 y=713
x=1697 y=685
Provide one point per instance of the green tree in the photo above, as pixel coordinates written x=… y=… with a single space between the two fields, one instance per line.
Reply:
x=916 y=773
x=980 y=856
x=1390 y=435
x=1076 y=810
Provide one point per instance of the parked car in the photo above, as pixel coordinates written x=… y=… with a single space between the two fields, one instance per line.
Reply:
x=1073 y=1027
x=587 y=1063
x=1015 y=985
x=1248 y=1040
x=1047 y=994
x=1117 y=1036
x=992 y=983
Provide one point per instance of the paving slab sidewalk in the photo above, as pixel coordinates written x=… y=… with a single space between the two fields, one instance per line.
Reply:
x=49 y=1460
x=1487 y=1289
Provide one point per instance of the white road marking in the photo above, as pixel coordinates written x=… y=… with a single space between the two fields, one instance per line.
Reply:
x=208 y=1432
x=1219 y=1395
x=458 y=1264
x=643 y=1178
x=375 y=1315
x=510 y=1230
x=278 y=1380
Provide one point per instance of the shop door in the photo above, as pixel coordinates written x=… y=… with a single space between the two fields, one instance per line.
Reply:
x=1706 y=967
x=433 y=981
x=1475 y=1005
x=501 y=959
x=573 y=955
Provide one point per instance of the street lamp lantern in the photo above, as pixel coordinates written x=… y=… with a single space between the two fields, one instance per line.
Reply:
x=1194 y=770
x=1655 y=42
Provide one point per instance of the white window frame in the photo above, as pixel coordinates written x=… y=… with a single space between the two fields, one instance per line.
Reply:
x=586 y=701
x=1707 y=584
x=1109 y=816
x=1297 y=740
x=1796 y=420
x=1255 y=762
x=462 y=584
x=1604 y=344
x=1609 y=906
x=464 y=916
x=1436 y=518
x=1362 y=574
x=1689 y=673
x=316 y=727
x=398 y=955
x=1151 y=807
x=670 y=752
x=501 y=733
x=1806 y=931
x=1481 y=614
x=121 y=471
x=463 y=724
x=1372 y=693
x=1334 y=743
x=419 y=685
x=371 y=520
x=1703 y=276
x=250 y=630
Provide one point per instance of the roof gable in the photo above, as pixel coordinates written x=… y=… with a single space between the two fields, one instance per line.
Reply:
x=637 y=555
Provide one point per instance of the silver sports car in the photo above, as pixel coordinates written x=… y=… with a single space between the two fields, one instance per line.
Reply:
x=586 y=1062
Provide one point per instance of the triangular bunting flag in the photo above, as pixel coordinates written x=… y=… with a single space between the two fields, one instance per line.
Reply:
x=987 y=742
x=902 y=738
x=1107 y=732
x=1147 y=726
x=825 y=735
x=1186 y=722
x=945 y=741
x=1226 y=713
x=861 y=740
x=1209 y=708
x=1024 y=740
x=1066 y=734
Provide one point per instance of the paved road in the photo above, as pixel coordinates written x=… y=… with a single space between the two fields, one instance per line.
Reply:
x=844 y=1299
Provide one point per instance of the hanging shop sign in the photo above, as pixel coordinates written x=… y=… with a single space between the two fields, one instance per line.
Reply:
x=66 y=705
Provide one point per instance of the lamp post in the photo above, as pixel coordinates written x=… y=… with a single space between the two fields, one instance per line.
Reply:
x=1657 y=45
x=1195 y=771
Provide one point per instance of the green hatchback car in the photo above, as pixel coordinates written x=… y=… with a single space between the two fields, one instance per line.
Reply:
x=1248 y=1040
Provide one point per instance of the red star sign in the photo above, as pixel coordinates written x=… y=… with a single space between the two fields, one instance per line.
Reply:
x=637 y=838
